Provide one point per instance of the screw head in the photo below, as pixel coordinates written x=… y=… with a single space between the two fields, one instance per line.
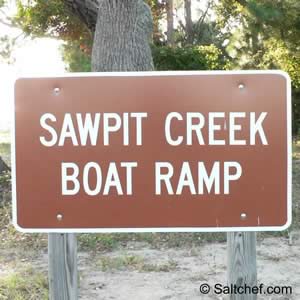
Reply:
x=241 y=86
x=56 y=91
x=59 y=217
x=243 y=216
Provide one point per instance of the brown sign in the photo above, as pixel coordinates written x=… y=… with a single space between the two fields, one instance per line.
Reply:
x=185 y=151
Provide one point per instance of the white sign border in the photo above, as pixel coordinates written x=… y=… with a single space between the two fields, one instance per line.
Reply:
x=165 y=229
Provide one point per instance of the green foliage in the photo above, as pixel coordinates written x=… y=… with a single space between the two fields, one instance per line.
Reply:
x=5 y=179
x=4 y=138
x=296 y=156
x=40 y=18
x=52 y=18
x=92 y=242
x=77 y=58
x=296 y=113
x=6 y=41
x=6 y=47
x=296 y=189
x=108 y=242
x=279 y=56
x=187 y=58
x=265 y=35
x=208 y=33
x=264 y=32
x=27 y=284
x=108 y=263
x=133 y=262
x=158 y=9
x=4 y=147
x=10 y=238
x=165 y=58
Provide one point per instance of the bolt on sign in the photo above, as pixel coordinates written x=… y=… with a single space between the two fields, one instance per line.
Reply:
x=154 y=151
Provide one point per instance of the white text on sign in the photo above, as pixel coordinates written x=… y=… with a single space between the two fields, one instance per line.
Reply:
x=94 y=129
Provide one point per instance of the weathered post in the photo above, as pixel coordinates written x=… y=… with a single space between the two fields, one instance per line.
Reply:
x=63 y=278
x=241 y=262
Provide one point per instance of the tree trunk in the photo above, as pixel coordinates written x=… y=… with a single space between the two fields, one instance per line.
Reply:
x=123 y=32
x=170 y=22
x=188 y=20
x=86 y=10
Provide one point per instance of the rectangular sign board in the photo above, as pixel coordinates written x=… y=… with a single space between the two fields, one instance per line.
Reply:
x=153 y=151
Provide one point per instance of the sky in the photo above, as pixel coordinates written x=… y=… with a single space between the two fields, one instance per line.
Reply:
x=38 y=57
x=32 y=58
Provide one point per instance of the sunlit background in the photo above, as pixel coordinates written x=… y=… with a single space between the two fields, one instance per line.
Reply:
x=34 y=58
x=31 y=58
x=38 y=57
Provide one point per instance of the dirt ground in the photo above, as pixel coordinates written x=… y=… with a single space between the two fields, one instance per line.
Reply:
x=136 y=272
x=278 y=264
x=140 y=270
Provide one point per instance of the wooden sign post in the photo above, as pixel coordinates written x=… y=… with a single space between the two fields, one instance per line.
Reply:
x=63 y=275
x=241 y=262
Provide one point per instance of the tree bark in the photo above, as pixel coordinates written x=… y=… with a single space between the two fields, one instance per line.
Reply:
x=122 y=36
x=86 y=10
x=170 y=22
x=188 y=21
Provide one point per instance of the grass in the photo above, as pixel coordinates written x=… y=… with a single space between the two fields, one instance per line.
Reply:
x=5 y=146
x=107 y=263
x=11 y=238
x=296 y=150
x=108 y=242
x=28 y=284
x=4 y=137
x=5 y=153
x=5 y=149
x=296 y=193
x=133 y=263
x=98 y=242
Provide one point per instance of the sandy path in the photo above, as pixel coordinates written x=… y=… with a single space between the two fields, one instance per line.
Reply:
x=158 y=274
x=278 y=264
